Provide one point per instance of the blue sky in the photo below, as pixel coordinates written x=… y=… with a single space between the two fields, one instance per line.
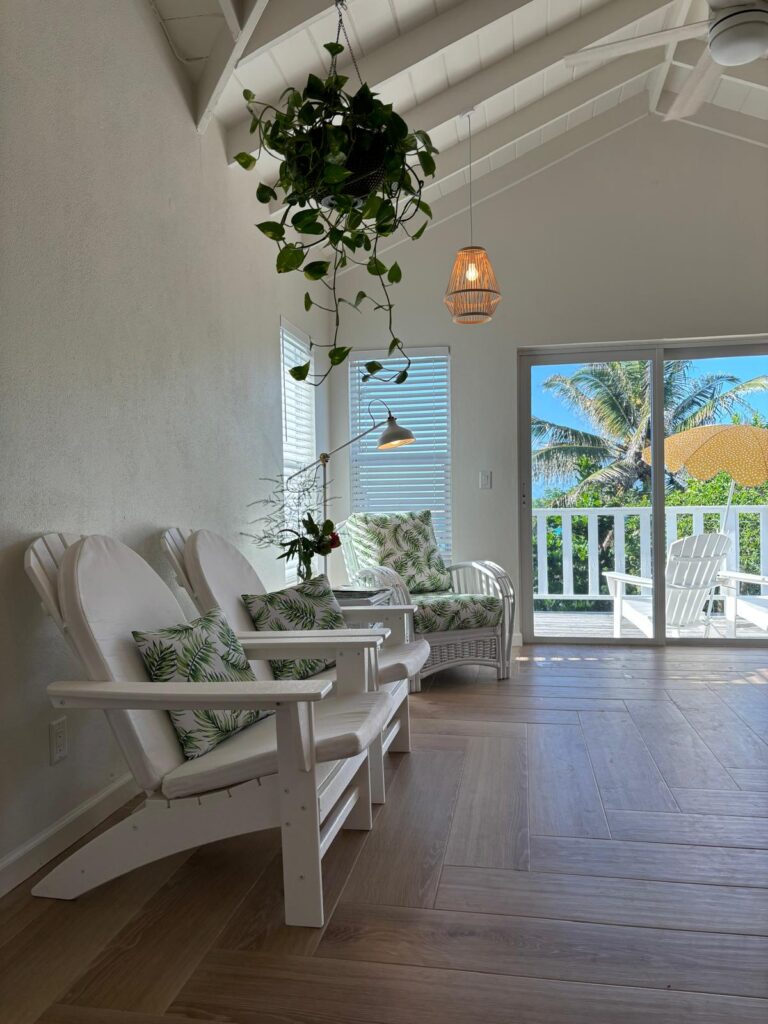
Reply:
x=547 y=407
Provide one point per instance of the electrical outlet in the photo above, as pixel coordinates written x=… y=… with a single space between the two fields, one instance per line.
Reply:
x=57 y=740
x=486 y=479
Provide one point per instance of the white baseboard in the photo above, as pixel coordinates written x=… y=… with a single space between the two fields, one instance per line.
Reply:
x=26 y=859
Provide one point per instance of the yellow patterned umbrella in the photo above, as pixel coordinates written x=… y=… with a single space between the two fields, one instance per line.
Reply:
x=737 y=449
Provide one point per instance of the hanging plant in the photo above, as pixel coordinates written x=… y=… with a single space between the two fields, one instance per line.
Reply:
x=351 y=173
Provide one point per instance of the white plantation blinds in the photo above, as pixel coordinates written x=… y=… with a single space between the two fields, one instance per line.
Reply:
x=298 y=402
x=299 y=440
x=416 y=476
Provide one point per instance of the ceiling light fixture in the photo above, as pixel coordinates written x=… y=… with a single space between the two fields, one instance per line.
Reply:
x=473 y=292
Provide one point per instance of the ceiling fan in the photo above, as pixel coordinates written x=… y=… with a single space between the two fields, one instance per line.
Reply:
x=736 y=33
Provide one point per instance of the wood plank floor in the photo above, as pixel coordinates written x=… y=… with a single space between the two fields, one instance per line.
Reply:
x=584 y=843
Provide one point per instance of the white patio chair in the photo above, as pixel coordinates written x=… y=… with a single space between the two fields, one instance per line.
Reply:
x=486 y=645
x=215 y=573
x=690 y=580
x=304 y=769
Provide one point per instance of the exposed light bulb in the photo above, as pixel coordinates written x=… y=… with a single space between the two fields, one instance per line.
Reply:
x=471 y=274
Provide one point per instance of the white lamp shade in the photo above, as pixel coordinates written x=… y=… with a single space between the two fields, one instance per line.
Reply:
x=394 y=435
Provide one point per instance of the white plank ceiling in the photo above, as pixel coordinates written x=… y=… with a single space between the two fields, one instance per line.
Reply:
x=435 y=59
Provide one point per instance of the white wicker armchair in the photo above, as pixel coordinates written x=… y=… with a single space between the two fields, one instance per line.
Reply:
x=487 y=645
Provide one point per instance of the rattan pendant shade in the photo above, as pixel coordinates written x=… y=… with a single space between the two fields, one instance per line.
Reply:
x=473 y=292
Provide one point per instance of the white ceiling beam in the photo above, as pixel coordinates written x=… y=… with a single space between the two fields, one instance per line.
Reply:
x=549 y=108
x=529 y=61
x=225 y=54
x=431 y=37
x=676 y=17
x=231 y=12
x=534 y=162
x=722 y=121
x=687 y=54
x=281 y=20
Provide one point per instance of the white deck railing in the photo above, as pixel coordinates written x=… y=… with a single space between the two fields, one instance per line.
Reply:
x=545 y=519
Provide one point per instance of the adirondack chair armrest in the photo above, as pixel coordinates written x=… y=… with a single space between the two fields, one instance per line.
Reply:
x=618 y=580
x=173 y=696
x=398 y=618
x=310 y=643
x=734 y=576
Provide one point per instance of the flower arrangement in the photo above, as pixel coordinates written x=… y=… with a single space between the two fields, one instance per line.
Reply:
x=313 y=539
x=351 y=173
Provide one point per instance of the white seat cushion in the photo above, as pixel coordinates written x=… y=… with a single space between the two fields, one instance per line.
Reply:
x=344 y=726
x=398 y=661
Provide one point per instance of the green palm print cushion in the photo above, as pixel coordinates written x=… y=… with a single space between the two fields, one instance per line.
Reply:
x=436 y=613
x=403 y=541
x=309 y=605
x=205 y=650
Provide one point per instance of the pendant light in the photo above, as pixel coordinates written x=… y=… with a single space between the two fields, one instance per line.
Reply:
x=473 y=292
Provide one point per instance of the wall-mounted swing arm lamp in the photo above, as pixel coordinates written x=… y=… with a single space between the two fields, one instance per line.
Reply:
x=393 y=436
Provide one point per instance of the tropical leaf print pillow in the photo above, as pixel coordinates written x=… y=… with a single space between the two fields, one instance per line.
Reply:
x=403 y=541
x=205 y=650
x=309 y=605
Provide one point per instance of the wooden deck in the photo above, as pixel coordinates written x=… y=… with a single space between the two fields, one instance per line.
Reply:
x=584 y=843
x=598 y=625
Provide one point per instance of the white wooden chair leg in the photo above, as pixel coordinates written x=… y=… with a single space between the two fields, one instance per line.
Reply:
x=376 y=765
x=360 y=818
x=414 y=683
x=401 y=744
x=299 y=817
x=617 y=612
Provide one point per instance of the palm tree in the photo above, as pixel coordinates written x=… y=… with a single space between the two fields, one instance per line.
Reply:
x=615 y=400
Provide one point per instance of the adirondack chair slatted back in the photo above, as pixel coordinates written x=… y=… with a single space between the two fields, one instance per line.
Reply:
x=691 y=573
x=97 y=590
x=217 y=574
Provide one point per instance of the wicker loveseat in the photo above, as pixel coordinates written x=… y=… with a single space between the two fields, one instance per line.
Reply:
x=465 y=610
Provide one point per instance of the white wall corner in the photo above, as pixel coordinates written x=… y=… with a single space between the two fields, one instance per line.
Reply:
x=26 y=859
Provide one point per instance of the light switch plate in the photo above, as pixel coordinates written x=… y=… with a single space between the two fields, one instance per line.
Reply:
x=486 y=480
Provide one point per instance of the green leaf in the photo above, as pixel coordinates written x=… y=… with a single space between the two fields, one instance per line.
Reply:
x=417 y=234
x=333 y=173
x=373 y=366
x=334 y=48
x=306 y=222
x=299 y=372
x=246 y=161
x=376 y=267
x=315 y=270
x=402 y=377
x=359 y=298
x=314 y=89
x=307 y=301
x=338 y=354
x=395 y=274
x=371 y=207
x=272 y=230
x=425 y=208
x=264 y=193
x=427 y=162
x=289 y=258
x=394 y=345
x=248 y=96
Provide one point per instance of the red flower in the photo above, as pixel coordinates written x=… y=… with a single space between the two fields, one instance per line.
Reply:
x=335 y=540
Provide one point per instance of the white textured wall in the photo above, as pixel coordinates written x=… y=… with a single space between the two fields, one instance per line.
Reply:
x=139 y=358
x=658 y=231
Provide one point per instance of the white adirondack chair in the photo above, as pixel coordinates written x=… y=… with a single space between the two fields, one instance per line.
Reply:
x=690 y=580
x=216 y=574
x=304 y=770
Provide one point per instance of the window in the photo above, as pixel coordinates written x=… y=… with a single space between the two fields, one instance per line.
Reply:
x=298 y=411
x=416 y=476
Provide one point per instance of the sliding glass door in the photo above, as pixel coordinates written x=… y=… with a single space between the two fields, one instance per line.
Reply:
x=627 y=539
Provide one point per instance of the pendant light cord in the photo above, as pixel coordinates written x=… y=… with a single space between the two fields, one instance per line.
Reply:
x=341 y=29
x=471 y=225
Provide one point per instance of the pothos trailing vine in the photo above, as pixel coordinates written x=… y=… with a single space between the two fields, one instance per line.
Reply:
x=351 y=173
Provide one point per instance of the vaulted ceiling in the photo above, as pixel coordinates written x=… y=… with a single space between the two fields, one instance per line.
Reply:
x=437 y=59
